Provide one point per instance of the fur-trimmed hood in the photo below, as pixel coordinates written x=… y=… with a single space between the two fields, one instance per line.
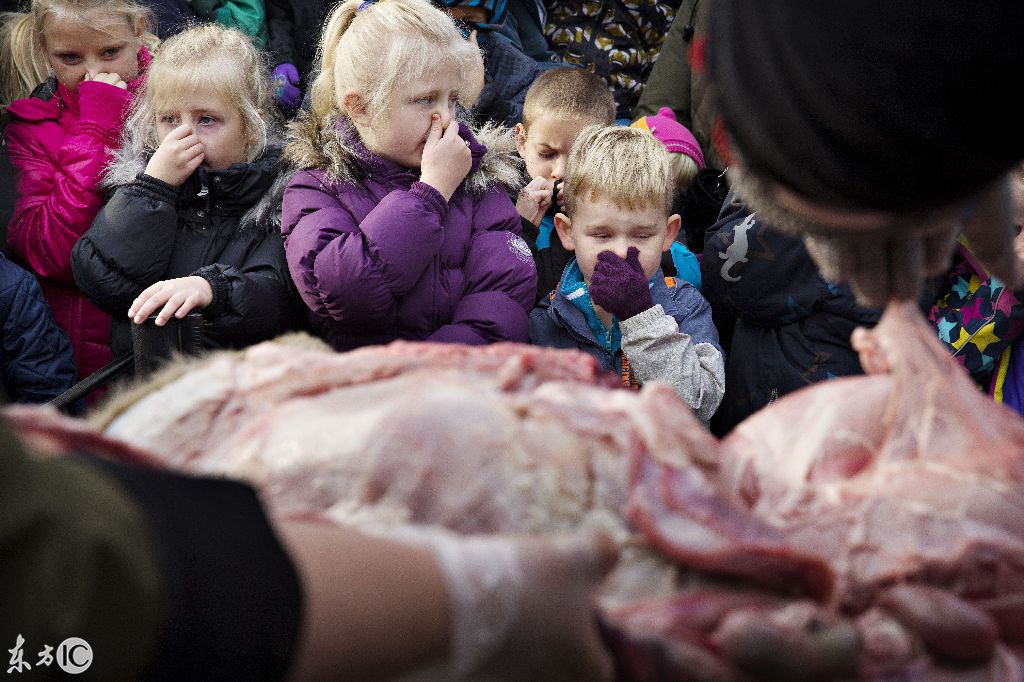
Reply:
x=333 y=146
x=260 y=182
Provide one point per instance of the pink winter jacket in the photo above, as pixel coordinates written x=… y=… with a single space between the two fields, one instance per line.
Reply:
x=59 y=143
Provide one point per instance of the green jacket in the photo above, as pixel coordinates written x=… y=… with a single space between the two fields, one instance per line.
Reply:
x=249 y=16
x=78 y=560
x=678 y=81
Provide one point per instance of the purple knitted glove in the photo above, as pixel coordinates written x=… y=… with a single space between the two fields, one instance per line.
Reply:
x=620 y=286
x=286 y=82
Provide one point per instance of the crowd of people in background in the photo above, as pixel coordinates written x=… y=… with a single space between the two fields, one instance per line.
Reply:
x=451 y=171
x=269 y=171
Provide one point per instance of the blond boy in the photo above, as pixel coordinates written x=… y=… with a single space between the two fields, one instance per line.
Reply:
x=613 y=301
x=558 y=105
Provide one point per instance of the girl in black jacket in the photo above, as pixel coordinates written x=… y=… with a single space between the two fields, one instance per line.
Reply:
x=194 y=221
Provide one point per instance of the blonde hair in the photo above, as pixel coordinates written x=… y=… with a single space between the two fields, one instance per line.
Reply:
x=23 y=62
x=626 y=166
x=378 y=49
x=205 y=56
x=684 y=169
x=571 y=93
x=86 y=11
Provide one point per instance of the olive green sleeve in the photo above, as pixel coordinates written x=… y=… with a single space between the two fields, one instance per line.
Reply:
x=77 y=559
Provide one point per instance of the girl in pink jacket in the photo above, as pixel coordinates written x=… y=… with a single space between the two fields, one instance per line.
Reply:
x=59 y=141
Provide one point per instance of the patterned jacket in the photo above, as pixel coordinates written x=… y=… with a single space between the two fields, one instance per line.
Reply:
x=977 y=318
x=617 y=40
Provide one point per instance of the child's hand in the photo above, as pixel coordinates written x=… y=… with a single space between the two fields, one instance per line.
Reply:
x=109 y=79
x=620 y=286
x=534 y=200
x=560 y=194
x=446 y=158
x=177 y=296
x=179 y=154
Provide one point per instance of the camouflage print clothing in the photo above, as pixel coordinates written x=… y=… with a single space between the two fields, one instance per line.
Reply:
x=617 y=40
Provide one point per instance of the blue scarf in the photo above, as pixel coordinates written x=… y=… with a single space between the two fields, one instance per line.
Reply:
x=575 y=289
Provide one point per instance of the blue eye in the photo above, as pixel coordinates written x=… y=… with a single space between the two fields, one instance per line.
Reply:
x=111 y=53
x=169 y=120
x=207 y=120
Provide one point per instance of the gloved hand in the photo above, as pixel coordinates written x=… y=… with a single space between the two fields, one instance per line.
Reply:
x=620 y=286
x=286 y=82
x=523 y=608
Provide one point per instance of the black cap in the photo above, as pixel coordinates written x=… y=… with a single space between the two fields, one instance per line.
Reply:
x=889 y=105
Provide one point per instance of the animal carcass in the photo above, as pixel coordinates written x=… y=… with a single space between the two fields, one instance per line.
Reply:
x=506 y=439
x=876 y=525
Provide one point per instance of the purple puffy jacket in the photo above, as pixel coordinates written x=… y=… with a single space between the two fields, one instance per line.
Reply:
x=377 y=255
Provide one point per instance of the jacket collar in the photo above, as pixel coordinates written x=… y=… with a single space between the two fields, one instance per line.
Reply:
x=51 y=97
x=572 y=306
x=236 y=188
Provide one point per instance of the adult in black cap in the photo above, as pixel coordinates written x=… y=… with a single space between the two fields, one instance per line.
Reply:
x=877 y=130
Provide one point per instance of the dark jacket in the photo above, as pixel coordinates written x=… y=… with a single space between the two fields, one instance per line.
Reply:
x=221 y=225
x=524 y=25
x=792 y=326
x=35 y=355
x=679 y=81
x=164 y=568
x=548 y=253
x=508 y=75
x=294 y=28
x=172 y=17
x=617 y=40
x=378 y=255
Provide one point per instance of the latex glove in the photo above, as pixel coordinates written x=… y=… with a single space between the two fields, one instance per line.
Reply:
x=524 y=608
x=286 y=86
x=620 y=286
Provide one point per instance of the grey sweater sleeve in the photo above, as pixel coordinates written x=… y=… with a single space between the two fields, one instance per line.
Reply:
x=658 y=351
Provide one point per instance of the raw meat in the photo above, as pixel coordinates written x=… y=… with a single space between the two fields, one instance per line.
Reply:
x=506 y=439
x=866 y=527
x=888 y=511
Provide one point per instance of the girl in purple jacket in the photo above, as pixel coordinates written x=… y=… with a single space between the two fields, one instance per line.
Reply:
x=399 y=225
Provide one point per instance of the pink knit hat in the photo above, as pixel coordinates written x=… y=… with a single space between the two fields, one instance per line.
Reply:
x=674 y=135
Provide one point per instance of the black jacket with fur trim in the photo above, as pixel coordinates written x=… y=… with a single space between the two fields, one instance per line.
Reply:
x=221 y=225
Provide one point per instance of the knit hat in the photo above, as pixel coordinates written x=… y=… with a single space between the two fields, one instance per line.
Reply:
x=893 y=106
x=676 y=137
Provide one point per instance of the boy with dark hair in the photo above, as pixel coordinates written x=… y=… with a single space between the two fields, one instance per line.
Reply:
x=559 y=104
